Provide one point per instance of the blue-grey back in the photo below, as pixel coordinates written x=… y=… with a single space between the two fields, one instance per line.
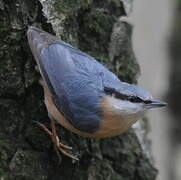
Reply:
x=75 y=79
x=78 y=83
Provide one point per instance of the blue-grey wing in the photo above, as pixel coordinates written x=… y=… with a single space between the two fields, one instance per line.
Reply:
x=85 y=64
x=75 y=93
x=75 y=79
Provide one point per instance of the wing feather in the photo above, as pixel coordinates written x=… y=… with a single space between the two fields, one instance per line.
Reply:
x=75 y=79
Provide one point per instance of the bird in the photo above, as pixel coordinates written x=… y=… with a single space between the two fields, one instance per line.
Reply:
x=81 y=94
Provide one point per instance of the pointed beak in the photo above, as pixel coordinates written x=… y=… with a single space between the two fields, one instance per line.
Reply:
x=156 y=104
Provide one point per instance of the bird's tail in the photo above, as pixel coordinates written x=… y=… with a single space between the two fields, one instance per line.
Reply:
x=39 y=39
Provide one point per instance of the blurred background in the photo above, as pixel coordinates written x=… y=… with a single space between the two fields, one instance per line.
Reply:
x=157 y=45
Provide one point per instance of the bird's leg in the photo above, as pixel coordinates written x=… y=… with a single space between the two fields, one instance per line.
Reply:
x=57 y=144
x=51 y=134
x=56 y=141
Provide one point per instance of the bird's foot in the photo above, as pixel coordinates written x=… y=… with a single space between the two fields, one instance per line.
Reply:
x=58 y=145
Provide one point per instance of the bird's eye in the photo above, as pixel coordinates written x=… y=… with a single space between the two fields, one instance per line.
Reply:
x=148 y=102
x=116 y=94
x=109 y=91
x=134 y=99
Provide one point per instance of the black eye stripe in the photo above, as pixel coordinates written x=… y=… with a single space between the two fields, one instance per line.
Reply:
x=116 y=94
x=113 y=92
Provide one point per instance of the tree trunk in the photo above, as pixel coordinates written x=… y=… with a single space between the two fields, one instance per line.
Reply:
x=174 y=96
x=26 y=152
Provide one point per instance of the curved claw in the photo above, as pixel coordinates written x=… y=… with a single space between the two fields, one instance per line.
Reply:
x=56 y=141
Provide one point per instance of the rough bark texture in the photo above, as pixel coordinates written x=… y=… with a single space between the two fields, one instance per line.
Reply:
x=26 y=151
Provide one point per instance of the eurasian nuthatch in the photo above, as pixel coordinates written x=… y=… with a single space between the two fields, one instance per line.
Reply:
x=83 y=95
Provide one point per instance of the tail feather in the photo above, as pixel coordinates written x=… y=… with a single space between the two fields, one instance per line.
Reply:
x=39 y=40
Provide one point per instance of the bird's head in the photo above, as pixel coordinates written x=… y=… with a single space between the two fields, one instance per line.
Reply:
x=130 y=100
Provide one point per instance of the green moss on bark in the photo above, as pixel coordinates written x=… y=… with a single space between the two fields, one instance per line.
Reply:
x=71 y=8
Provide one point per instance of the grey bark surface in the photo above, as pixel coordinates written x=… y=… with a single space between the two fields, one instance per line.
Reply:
x=26 y=152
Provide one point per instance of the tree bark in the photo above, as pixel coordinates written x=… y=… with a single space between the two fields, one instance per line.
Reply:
x=26 y=152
